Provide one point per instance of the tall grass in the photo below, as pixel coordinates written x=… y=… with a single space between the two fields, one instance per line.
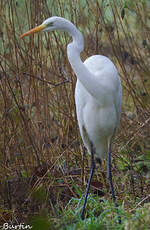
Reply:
x=40 y=145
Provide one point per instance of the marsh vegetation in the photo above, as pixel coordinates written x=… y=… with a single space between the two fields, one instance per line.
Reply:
x=43 y=163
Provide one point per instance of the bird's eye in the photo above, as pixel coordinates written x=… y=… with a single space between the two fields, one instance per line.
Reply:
x=49 y=24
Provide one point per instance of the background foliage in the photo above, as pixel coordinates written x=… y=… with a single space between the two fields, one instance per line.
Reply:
x=43 y=163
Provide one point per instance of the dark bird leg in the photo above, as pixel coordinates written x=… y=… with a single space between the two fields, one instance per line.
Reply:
x=89 y=181
x=109 y=176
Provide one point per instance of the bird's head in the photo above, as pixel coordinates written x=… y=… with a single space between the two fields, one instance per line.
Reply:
x=49 y=24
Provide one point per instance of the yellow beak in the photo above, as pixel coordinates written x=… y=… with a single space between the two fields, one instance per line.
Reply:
x=32 y=31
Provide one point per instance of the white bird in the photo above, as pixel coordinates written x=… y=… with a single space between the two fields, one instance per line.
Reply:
x=98 y=97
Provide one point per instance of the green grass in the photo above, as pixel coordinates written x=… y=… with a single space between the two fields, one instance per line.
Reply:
x=101 y=215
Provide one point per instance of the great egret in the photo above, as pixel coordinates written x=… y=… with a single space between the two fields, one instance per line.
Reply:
x=98 y=97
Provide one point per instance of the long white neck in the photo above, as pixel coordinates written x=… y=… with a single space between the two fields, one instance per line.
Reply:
x=73 y=51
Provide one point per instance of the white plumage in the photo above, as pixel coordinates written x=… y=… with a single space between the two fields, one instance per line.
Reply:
x=99 y=115
x=98 y=97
